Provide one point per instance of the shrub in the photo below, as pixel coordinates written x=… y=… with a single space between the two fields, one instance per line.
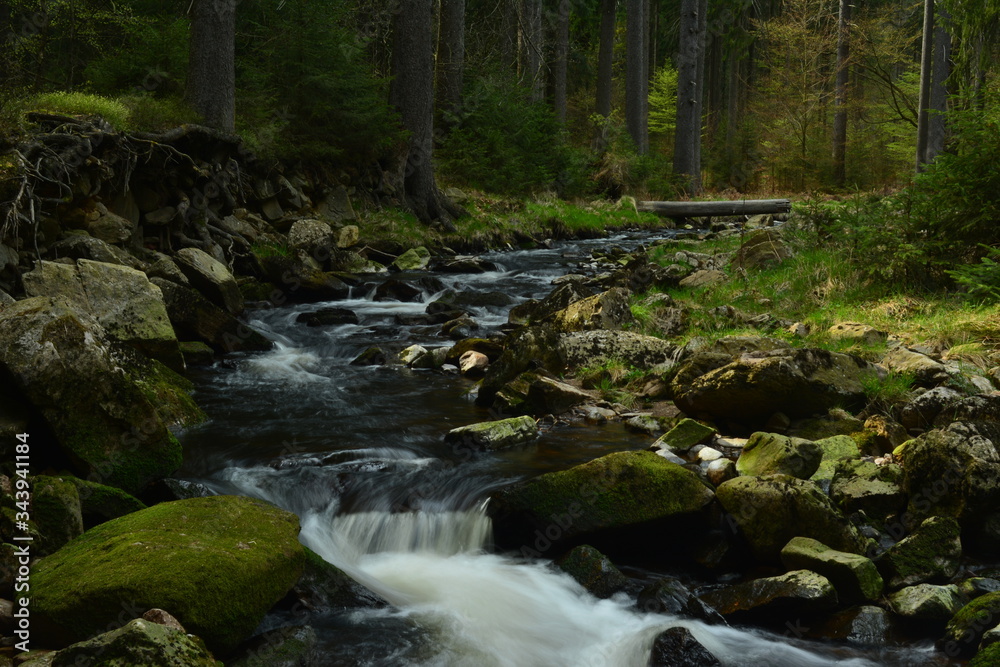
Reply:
x=503 y=142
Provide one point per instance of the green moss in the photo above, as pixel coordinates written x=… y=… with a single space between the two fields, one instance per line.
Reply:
x=624 y=488
x=169 y=393
x=55 y=507
x=966 y=627
x=99 y=502
x=217 y=564
x=931 y=552
x=988 y=657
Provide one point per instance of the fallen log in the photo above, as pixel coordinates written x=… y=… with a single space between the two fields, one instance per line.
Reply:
x=694 y=209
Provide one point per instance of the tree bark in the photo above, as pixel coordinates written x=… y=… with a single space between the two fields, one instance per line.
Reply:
x=211 y=82
x=926 y=65
x=937 y=127
x=687 y=145
x=690 y=209
x=636 y=75
x=840 y=103
x=450 y=60
x=412 y=93
x=531 y=46
x=561 y=61
x=605 y=58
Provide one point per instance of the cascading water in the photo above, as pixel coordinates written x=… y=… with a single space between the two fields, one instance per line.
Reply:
x=357 y=454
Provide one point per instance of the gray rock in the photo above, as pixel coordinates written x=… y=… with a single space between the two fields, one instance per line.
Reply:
x=926 y=371
x=770 y=453
x=495 y=435
x=138 y=642
x=920 y=413
x=862 y=486
x=313 y=237
x=855 y=577
x=126 y=304
x=196 y=318
x=927 y=602
x=771 y=510
x=590 y=348
x=608 y=310
x=669 y=596
x=677 y=647
x=211 y=278
x=931 y=552
x=795 y=592
x=49 y=350
x=685 y=435
x=548 y=396
x=796 y=382
x=414 y=259
x=594 y=571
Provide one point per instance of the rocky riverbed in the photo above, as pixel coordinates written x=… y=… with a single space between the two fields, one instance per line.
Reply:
x=756 y=472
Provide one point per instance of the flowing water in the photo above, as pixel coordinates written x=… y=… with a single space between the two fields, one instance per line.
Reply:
x=357 y=453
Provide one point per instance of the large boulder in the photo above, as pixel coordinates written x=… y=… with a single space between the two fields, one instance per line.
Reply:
x=110 y=432
x=685 y=435
x=618 y=491
x=796 y=382
x=218 y=564
x=121 y=299
x=414 y=259
x=952 y=473
x=313 y=237
x=525 y=348
x=589 y=348
x=869 y=488
x=926 y=602
x=196 y=318
x=558 y=299
x=770 y=453
x=608 y=310
x=926 y=371
x=771 y=510
x=969 y=624
x=211 y=278
x=919 y=413
x=795 y=592
x=669 y=596
x=548 y=396
x=759 y=249
x=855 y=577
x=138 y=642
x=931 y=553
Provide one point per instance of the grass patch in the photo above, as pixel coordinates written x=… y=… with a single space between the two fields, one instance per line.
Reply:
x=886 y=394
x=83 y=104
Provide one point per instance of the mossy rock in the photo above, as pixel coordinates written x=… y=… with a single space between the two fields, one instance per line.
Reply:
x=138 y=642
x=771 y=454
x=771 y=510
x=931 y=553
x=795 y=592
x=835 y=449
x=86 y=387
x=168 y=391
x=988 y=657
x=967 y=626
x=854 y=576
x=324 y=587
x=593 y=570
x=835 y=422
x=617 y=491
x=55 y=507
x=926 y=602
x=685 y=435
x=100 y=503
x=218 y=564
x=293 y=646
x=494 y=435
x=863 y=486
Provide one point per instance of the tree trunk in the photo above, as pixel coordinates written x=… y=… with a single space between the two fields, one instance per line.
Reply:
x=211 y=82
x=636 y=76
x=687 y=151
x=561 y=61
x=450 y=60
x=412 y=93
x=840 y=103
x=531 y=46
x=606 y=57
x=937 y=128
x=926 y=64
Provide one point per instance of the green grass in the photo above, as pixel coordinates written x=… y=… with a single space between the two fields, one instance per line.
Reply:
x=84 y=104
x=819 y=287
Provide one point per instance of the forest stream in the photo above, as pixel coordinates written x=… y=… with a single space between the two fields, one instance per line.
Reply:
x=357 y=452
